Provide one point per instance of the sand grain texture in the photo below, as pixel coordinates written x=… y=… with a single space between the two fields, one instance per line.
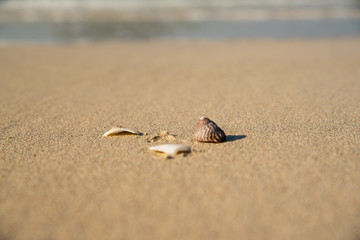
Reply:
x=289 y=170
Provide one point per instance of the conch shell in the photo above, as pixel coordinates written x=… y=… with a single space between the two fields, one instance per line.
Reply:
x=208 y=131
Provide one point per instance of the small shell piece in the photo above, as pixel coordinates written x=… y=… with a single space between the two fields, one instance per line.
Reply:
x=171 y=149
x=208 y=131
x=120 y=131
x=164 y=135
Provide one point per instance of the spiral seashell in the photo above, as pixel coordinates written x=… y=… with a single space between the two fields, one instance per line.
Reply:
x=208 y=131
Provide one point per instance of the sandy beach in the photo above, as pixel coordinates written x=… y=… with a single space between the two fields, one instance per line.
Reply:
x=289 y=170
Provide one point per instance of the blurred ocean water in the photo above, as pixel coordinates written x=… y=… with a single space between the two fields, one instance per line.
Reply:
x=135 y=10
x=63 y=21
x=178 y=3
x=52 y=32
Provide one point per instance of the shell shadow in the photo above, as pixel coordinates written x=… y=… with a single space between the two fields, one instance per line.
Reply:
x=232 y=138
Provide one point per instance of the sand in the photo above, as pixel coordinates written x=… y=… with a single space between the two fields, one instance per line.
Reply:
x=289 y=170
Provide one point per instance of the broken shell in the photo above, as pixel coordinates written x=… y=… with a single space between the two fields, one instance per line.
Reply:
x=208 y=131
x=167 y=135
x=164 y=135
x=120 y=131
x=170 y=149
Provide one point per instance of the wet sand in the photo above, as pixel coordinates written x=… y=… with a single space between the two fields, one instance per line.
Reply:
x=289 y=170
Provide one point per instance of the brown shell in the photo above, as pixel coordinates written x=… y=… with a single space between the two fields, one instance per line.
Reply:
x=208 y=131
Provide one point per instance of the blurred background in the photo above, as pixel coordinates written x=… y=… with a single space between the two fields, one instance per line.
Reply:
x=108 y=20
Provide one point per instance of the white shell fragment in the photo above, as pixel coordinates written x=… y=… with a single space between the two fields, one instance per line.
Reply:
x=170 y=149
x=120 y=130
